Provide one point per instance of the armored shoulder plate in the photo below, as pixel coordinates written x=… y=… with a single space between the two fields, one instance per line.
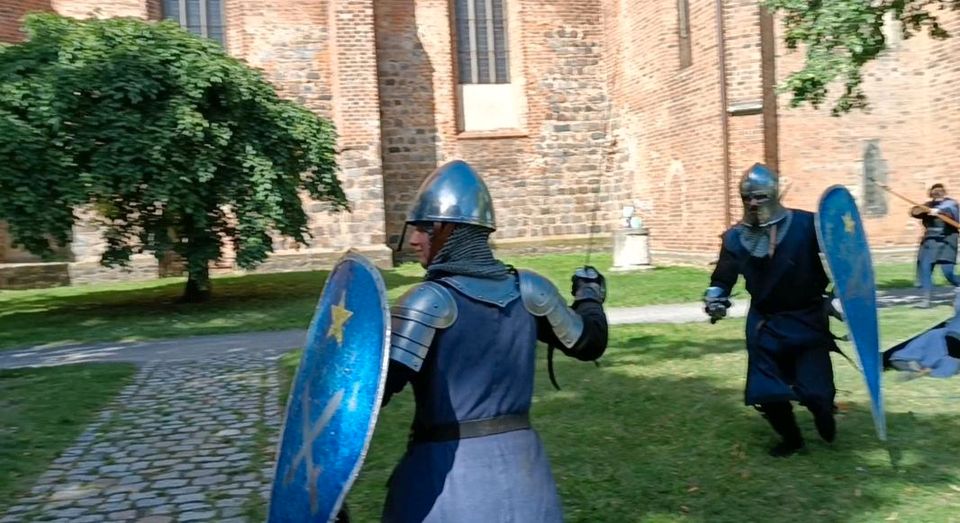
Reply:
x=415 y=318
x=542 y=298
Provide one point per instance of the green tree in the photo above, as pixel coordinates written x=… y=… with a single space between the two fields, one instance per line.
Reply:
x=175 y=145
x=841 y=36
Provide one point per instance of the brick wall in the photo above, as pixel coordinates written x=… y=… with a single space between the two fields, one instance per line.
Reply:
x=407 y=72
x=944 y=91
x=741 y=24
x=575 y=135
x=910 y=120
x=322 y=54
x=609 y=116
x=11 y=16
x=356 y=113
x=290 y=41
x=547 y=178
x=560 y=186
x=668 y=120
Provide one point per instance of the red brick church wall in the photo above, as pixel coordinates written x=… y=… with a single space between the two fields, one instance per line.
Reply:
x=669 y=120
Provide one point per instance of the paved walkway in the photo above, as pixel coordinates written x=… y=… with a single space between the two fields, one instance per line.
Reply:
x=271 y=344
x=255 y=344
x=183 y=442
x=192 y=438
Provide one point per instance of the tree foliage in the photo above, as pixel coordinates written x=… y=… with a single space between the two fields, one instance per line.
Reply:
x=173 y=143
x=841 y=36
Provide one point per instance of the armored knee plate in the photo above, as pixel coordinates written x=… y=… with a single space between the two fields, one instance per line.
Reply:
x=414 y=320
x=542 y=298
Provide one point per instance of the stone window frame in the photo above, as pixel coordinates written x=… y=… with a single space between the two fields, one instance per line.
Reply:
x=486 y=110
x=203 y=24
x=683 y=33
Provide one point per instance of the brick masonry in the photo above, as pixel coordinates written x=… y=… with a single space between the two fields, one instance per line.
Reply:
x=610 y=117
x=670 y=120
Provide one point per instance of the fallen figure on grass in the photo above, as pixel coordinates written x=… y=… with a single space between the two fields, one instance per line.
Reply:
x=934 y=352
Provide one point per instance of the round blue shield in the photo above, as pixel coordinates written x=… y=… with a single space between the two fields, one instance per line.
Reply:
x=335 y=397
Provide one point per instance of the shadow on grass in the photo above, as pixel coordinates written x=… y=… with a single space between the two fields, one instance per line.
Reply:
x=685 y=448
x=151 y=310
x=668 y=439
x=639 y=349
x=148 y=296
x=897 y=283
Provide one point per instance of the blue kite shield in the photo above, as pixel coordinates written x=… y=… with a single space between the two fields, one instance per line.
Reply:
x=335 y=398
x=844 y=244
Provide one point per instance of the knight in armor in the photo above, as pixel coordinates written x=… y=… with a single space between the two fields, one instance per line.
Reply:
x=938 y=246
x=788 y=334
x=466 y=339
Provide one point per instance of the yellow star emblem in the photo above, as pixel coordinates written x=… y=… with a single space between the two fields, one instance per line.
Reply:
x=340 y=315
x=848 y=224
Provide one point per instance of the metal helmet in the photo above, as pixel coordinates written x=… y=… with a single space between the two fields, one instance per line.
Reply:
x=453 y=193
x=760 y=193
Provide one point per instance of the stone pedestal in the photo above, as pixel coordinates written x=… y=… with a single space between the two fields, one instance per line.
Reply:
x=631 y=250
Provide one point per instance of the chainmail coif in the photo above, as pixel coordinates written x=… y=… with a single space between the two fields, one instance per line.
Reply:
x=757 y=239
x=467 y=252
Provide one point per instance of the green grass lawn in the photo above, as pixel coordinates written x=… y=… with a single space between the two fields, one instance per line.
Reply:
x=659 y=433
x=258 y=302
x=42 y=411
x=149 y=310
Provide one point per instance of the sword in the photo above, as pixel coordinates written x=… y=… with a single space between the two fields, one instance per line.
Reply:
x=885 y=187
x=588 y=271
x=783 y=194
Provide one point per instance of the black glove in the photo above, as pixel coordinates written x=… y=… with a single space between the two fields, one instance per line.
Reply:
x=589 y=284
x=717 y=310
x=716 y=303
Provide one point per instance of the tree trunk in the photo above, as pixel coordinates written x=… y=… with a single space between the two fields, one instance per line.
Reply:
x=198 y=286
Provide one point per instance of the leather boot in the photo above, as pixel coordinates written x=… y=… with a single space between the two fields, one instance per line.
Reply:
x=781 y=418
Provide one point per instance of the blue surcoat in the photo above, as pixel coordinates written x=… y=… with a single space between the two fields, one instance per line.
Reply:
x=479 y=368
x=788 y=332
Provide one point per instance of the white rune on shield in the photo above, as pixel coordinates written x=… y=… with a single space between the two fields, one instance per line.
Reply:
x=309 y=435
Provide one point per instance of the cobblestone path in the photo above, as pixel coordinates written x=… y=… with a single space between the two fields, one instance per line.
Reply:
x=186 y=441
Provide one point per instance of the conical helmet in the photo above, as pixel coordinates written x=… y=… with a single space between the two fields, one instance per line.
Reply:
x=453 y=193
